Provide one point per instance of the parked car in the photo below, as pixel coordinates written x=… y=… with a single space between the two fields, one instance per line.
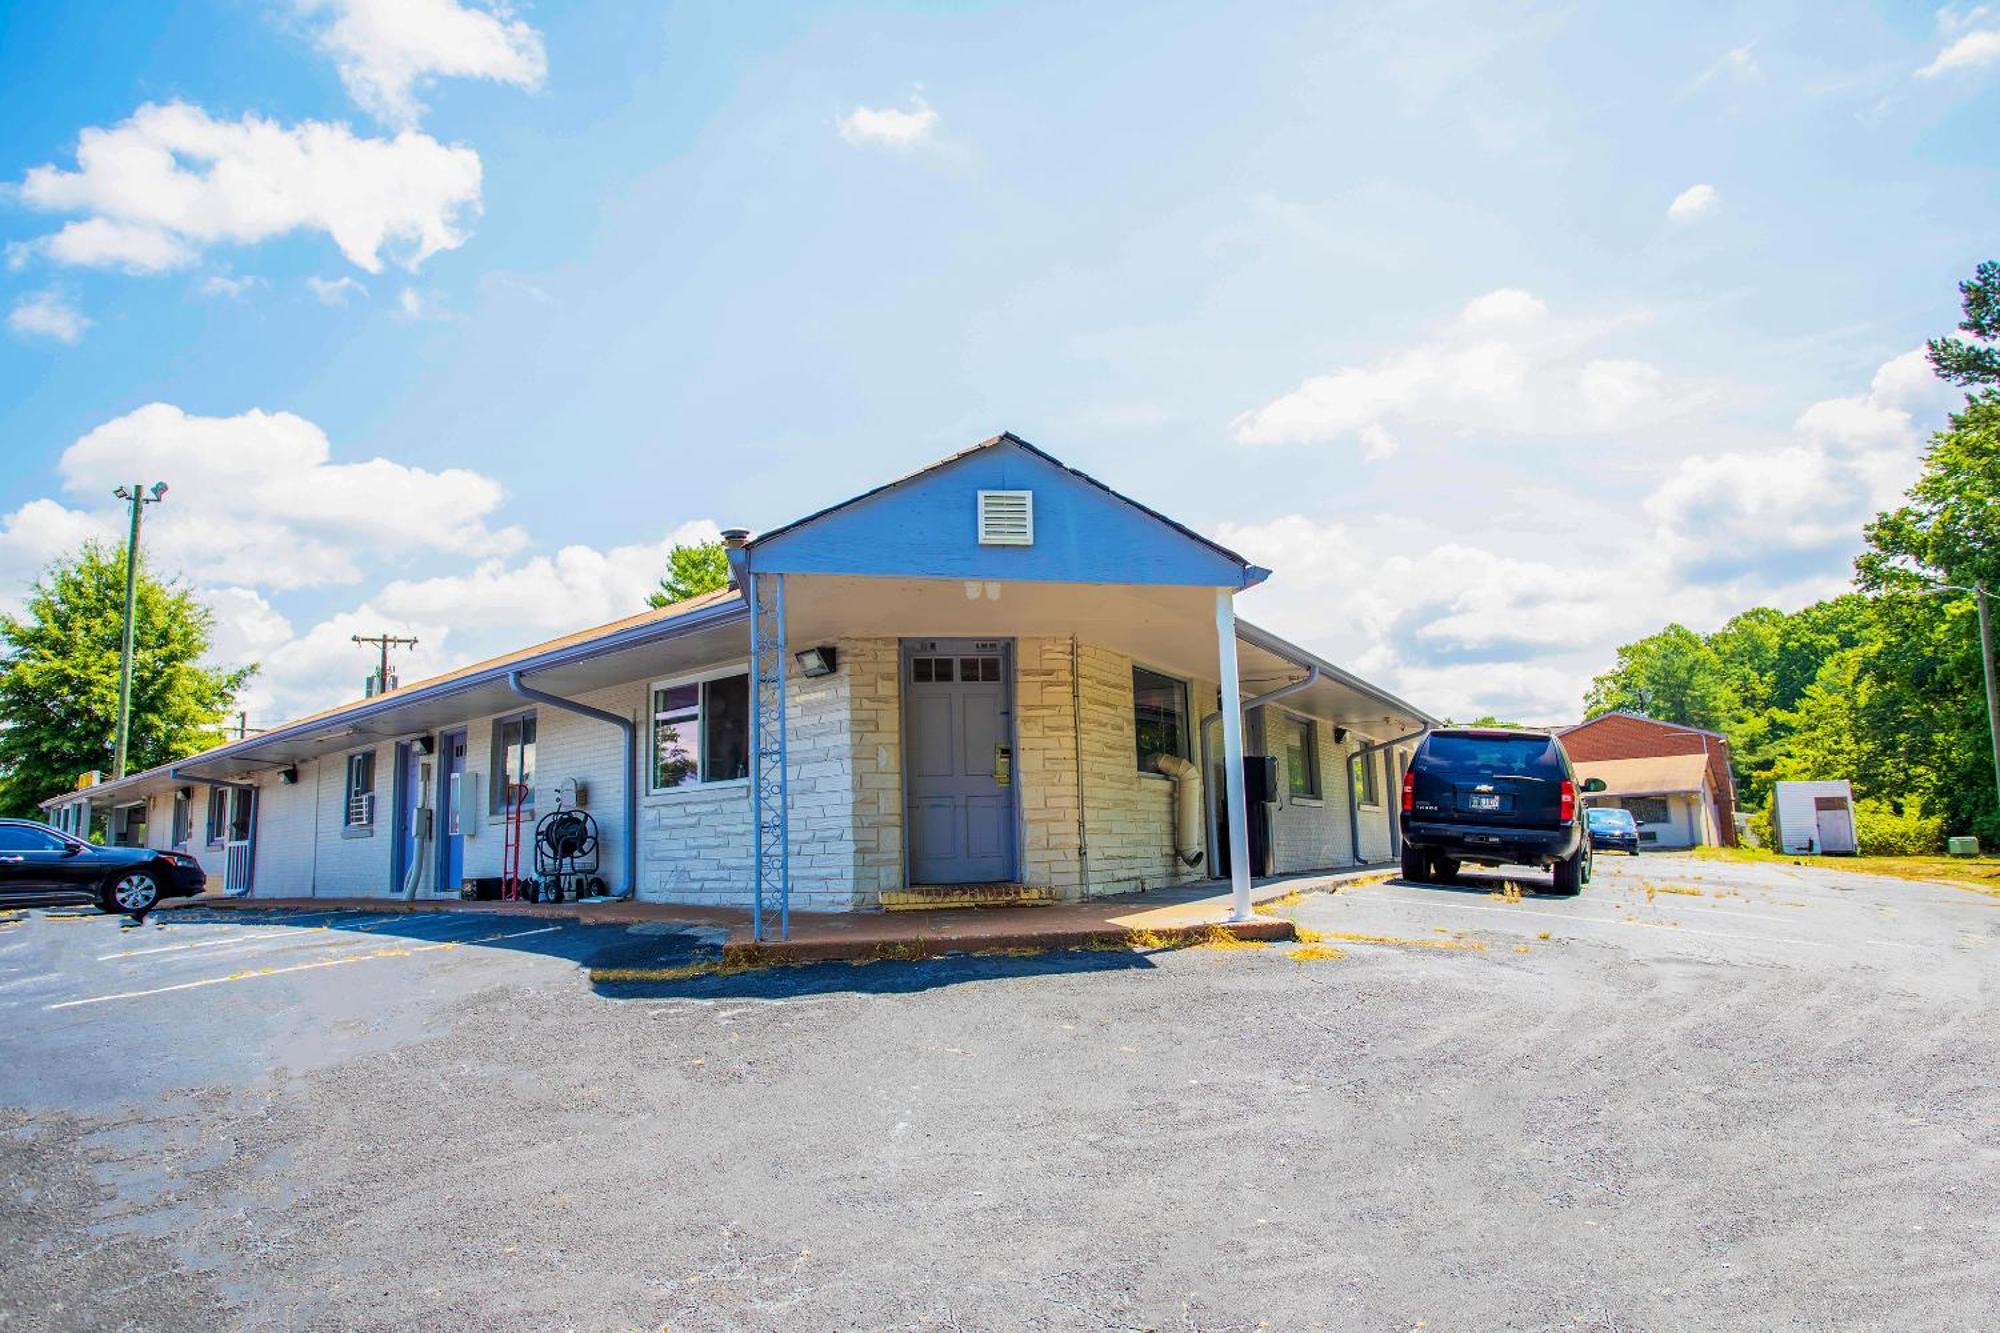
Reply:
x=1612 y=829
x=1494 y=797
x=41 y=865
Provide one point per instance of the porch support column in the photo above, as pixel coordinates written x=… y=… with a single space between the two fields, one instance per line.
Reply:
x=1232 y=754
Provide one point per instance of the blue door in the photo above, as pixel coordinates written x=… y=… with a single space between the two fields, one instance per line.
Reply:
x=958 y=744
x=451 y=842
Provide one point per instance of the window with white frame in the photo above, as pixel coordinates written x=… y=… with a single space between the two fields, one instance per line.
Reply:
x=361 y=789
x=183 y=817
x=1302 y=756
x=218 y=815
x=513 y=762
x=701 y=731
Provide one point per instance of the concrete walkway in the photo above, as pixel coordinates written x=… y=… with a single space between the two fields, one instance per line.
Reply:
x=1160 y=917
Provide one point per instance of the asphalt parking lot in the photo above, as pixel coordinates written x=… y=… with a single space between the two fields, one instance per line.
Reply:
x=1699 y=1096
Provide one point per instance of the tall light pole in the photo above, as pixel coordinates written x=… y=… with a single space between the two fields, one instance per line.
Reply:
x=138 y=497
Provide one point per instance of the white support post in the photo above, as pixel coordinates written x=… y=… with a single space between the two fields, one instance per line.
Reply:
x=1232 y=755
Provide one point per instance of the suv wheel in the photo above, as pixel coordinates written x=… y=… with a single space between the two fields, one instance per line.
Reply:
x=1569 y=876
x=1416 y=866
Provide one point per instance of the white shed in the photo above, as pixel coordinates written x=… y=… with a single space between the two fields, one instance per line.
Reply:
x=1814 y=817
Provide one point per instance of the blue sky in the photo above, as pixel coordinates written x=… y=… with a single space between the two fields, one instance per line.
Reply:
x=1502 y=333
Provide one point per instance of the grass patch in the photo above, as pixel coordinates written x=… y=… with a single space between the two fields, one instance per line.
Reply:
x=1981 y=874
x=1316 y=953
x=1509 y=893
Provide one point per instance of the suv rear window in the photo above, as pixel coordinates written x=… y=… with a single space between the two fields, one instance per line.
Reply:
x=1485 y=756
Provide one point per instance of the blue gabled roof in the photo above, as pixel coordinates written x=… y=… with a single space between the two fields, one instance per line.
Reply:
x=923 y=526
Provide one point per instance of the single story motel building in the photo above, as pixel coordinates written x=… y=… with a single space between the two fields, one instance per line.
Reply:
x=995 y=678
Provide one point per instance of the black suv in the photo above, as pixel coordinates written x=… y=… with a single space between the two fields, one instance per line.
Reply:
x=1494 y=797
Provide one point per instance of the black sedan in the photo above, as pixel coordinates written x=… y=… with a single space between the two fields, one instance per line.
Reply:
x=38 y=864
x=1612 y=829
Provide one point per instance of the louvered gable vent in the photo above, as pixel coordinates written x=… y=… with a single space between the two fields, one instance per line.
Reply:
x=1006 y=518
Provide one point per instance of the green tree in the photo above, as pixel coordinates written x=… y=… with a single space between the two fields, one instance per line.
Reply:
x=1673 y=676
x=1947 y=533
x=1976 y=361
x=692 y=571
x=59 y=677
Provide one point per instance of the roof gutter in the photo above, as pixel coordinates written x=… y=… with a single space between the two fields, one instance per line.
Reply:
x=708 y=617
x=629 y=843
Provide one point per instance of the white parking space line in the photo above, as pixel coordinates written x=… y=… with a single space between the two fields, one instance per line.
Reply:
x=378 y=952
x=275 y=932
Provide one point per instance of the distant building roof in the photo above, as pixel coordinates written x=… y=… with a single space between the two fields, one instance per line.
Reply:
x=1657 y=775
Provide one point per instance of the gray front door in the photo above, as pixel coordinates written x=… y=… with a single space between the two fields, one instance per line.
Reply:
x=958 y=740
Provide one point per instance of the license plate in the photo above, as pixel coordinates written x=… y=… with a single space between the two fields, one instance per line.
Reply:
x=1485 y=803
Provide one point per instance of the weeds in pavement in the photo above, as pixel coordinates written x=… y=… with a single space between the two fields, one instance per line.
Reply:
x=1509 y=893
x=1316 y=953
x=1272 y=906
x=1542 y=935
x=1356 y=937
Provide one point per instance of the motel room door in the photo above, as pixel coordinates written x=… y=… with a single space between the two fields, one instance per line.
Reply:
x=958 y=744
x=451 y=817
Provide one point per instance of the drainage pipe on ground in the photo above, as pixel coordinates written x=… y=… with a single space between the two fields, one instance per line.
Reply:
x=1366 y=754
x=630 y=838
x=1207 y=762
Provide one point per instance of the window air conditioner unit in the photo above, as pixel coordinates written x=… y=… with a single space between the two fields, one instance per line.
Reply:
x=1006 y=518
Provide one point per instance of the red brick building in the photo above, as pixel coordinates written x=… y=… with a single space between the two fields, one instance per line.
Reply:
x=1691 y=804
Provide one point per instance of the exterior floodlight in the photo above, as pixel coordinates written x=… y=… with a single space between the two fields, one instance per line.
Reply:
x=815 y=661
x=159 y=489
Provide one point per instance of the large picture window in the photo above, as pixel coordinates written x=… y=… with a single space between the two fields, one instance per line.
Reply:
x=1302 y=756
x=513 y=760
x=701 y=732
x=1159 y=715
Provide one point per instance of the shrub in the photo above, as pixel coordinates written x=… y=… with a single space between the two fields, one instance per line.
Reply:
x=1883 y=832
x=1759 y=826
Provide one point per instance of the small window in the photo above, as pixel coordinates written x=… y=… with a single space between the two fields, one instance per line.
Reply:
x=1648 y=809
x=513 y=762
x=1159 y=716
x=183 y=818
x=1363 y=767
x=1302 y=756
x=218 y=814
x=701 y=732
x=361 y=789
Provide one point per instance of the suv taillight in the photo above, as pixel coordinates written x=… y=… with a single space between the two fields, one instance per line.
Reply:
x=1409 y=790
x=1568 y=801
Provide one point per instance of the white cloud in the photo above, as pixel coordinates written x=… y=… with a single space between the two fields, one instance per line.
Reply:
x=1694 y=203
x=257 y=500
x=1464 y=616
x=1972 y=41
x=492 y=607
x=1736 y=65
x=334 y=291
x=228 y=285
x=413 y=304
x=1505 y=366
x=47 y=314
x=888 y=126
x=387 y=49
x=167 y=183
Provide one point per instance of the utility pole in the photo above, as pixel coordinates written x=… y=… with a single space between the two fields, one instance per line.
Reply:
x=138 y=497
x=1980 y=596
x=385 y=642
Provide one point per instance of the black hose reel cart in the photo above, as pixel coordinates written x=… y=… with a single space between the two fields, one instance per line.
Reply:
x=566 y=856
